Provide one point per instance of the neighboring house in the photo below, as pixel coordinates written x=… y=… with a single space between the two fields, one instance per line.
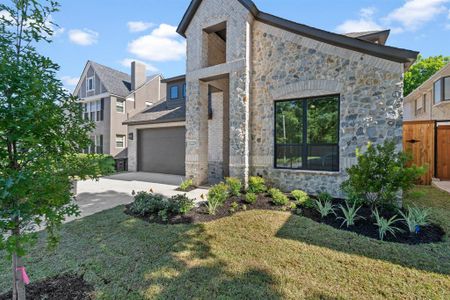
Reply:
x=109 y=97
x=431 y=100
x=427 y=125
x=292 y=102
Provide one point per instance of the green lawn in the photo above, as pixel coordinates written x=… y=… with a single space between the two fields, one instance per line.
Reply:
x=253 y=255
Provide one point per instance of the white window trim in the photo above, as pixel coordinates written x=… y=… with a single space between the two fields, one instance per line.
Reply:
x=93 y=83
x=124 y=141
x=123 y=106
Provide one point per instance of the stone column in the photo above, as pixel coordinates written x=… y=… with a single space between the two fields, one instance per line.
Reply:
x=197 y=132
x=239 y=126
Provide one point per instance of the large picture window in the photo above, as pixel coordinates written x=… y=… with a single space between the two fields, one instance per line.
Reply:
x=307 y=134
x=442 y=90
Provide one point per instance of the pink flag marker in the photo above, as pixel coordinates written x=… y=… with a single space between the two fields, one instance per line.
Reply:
x=23 y=272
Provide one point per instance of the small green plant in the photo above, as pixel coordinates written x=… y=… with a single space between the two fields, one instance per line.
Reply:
x=181 y=204
x=186 y=185
x=300 y=196
x=217 y=196
x=385 y=226
x=292 y=206
x=298 y=211
x=324 y=208
x=415 y=217
x=250 y=198
x=350 y=214
x=147 y=203
x=234 y=207
x=324 y=197
x=256 y=185
x=278 y=198
x=234 y=186
x=244 y=207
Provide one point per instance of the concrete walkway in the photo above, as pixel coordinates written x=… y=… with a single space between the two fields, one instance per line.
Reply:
x=109 y=192
x=442 y=185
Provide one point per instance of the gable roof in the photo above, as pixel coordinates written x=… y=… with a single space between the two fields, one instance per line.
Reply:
x=115 y=82
x=386 y=52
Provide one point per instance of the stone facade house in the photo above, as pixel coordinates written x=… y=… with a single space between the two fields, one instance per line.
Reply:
x=294 y=102
x=109 y=97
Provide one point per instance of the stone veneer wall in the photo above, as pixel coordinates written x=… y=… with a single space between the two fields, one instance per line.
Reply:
x=289 y=66
x=215 y=140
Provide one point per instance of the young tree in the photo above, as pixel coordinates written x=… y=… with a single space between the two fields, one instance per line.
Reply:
x=41 y=133
x=422 y=70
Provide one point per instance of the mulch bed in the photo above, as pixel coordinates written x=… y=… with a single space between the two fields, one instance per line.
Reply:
x=200 y=214
x=64 y=287
x=428 y=234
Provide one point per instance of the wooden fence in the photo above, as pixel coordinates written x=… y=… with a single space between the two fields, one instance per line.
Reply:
x=419 y=139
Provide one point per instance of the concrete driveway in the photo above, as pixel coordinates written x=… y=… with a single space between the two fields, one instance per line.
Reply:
x=111 y=191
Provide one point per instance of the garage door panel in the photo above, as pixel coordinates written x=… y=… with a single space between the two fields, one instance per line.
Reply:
x=162 y=150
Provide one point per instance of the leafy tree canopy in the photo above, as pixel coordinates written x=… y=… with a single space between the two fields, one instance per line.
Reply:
x=42 y=133
x=422 y=70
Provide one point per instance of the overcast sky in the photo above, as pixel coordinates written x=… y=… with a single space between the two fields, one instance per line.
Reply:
x=115 y=32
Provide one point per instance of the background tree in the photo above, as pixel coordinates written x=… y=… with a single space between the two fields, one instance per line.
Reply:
x=41 y=133
x=422 y=70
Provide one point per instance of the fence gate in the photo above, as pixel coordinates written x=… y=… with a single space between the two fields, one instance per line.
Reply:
x=443 y=152
x=419 y=139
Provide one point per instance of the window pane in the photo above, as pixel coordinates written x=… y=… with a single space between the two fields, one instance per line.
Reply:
x=184 y=90
x=120 y=106
x=437 y=92
x=323 y=120
x=174 y=92
x=289 y=134
x=323 y=157
x=447 y=88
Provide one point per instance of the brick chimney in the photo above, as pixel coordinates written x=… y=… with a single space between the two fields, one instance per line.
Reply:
x=138 y=74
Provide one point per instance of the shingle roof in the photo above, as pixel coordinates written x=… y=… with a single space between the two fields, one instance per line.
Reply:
x=386 y=52
x=160 y=112
x=115 y=82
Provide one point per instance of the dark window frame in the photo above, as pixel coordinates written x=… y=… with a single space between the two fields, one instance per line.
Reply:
x=304 y=145
x=442 y=85
x=183 y=91
x=171 y=94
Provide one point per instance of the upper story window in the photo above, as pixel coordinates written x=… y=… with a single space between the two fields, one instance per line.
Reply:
x=174 y=92
x=307 y=134
x=94 y=110
x=441 y=90
x=184 y=90
x=120 y=106
x=90 y=84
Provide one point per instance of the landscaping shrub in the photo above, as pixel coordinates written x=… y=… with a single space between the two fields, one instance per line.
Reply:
x=234 y=186
x=386 y=226
x=415 y=217
x=148 y=203
x=217 y=196
x=250 y=198
x=256 y=185
x=350 y=214
x=324 y=208
x=181 y=204
x=278 y=197
x=381 y=172
x=300 y=196
x=186 y=185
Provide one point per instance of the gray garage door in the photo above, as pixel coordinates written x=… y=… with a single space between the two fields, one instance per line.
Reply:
x=162 y=150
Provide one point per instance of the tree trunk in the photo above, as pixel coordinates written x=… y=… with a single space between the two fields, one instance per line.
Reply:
x=19 y=285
